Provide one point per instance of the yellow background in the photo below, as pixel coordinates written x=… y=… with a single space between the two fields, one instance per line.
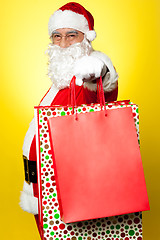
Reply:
x=128 y=31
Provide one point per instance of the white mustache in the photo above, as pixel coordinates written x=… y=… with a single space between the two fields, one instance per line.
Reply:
x=61 y=61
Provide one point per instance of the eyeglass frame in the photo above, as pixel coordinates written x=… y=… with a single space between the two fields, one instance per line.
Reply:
x=68 y=34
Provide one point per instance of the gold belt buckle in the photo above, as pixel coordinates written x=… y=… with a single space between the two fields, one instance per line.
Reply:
x=26 y=169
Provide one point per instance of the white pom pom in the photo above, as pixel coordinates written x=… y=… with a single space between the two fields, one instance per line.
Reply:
x=91 y=35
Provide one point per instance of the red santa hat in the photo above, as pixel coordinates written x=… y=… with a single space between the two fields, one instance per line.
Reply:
x=73 y=15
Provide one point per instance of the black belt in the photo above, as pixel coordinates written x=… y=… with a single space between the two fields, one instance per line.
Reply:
x=30 y=169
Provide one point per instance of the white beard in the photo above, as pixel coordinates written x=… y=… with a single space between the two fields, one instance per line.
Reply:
x=61 y=61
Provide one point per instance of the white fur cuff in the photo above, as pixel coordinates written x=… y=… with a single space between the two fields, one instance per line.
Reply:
x=28 y=202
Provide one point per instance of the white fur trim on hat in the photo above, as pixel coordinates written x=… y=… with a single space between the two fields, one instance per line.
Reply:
x=70 y=19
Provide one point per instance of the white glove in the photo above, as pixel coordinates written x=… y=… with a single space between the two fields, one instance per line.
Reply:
x=28 y=202
x=89 y=68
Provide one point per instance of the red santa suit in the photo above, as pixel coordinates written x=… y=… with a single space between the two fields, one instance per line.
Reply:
x=88 y=65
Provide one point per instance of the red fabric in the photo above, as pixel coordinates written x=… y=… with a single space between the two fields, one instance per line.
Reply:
x=77 y=8
x=33 y=157
x=83 y=96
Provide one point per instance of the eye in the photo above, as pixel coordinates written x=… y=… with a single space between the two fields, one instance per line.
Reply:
x=71 y=36
x=56 y=37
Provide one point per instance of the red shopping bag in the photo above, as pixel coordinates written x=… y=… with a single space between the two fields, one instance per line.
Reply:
x=98 y=166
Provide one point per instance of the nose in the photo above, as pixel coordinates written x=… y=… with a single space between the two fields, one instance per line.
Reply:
x=64 y=43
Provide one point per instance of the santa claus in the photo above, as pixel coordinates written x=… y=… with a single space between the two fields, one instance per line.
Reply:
x=71 y=30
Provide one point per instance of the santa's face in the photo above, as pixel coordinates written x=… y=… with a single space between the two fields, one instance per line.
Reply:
x=63 y=52
x=65 y=37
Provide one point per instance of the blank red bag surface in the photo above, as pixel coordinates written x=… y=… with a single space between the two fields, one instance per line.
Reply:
x=98 y=166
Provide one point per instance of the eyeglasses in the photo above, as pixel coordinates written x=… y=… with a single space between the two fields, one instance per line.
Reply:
x=70 y=36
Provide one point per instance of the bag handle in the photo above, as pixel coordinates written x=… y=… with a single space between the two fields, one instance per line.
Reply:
x=73 y=96
x=100 y=95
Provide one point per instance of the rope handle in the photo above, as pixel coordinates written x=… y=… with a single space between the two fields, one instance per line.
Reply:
x=100 y=96
x=73 y=96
